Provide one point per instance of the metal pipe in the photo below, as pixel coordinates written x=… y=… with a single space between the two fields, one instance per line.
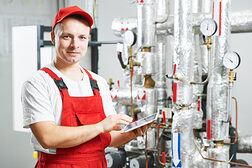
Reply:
x=236 y=123
x=162 y=12
x=123 y=95
x=183 y=57
x=216 y=160
x=245 y=144
x=161 y=66
x=217 y=89
x=241 y=22
x=120 y=25
x=146 y=23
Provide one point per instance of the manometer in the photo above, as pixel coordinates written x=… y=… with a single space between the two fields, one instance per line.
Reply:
x=231 y=60
x=129 y=38
x=208 y=27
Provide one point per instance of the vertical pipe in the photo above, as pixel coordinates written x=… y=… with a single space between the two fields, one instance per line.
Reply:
x=218 y=89
x=161 y=66
x=146 y=23
x=183 y=58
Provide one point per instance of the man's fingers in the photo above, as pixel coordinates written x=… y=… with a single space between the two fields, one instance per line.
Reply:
x=117 y=128
x=125 y=117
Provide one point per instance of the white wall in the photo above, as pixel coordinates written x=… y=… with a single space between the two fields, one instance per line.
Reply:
x=16 y=150
x=241 y=43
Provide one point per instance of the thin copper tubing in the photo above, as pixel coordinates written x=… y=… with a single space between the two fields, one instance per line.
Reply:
x=216 y=160
x=146 y=158
x=146 y=142
x=158 y=157
x=236 y=119
x=131 y=97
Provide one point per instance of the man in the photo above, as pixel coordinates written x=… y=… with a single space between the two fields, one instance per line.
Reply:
x=68 y=108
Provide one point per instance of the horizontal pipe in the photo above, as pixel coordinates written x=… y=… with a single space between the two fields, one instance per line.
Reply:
x=245 y=144
x=241 y=22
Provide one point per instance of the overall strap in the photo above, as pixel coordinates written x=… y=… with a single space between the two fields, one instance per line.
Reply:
x=93 y=82
x=58 y=81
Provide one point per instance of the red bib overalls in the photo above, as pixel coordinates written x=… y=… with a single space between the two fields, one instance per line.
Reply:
x=78 y=111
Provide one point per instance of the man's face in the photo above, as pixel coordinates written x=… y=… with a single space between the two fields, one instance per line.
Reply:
x=71 y=44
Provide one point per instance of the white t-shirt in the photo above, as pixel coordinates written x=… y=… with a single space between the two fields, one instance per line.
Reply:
x=42 y=101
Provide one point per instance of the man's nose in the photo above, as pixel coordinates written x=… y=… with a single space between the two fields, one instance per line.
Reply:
x=74 y=43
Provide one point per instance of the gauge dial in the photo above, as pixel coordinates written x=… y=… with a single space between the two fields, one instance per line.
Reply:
x=208 y=27
x=231 y=60
x=129 y=38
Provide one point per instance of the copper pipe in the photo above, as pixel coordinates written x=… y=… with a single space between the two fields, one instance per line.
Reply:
x=216 y=160
x=236 y=120
x=146 y=158
x=158 y=156
x=131 y=97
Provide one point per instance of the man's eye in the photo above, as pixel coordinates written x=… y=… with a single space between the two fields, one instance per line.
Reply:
x=83 y=37
x=66 y=37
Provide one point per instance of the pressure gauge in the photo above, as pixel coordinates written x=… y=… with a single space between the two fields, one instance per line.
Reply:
x=129 y=38
x=208 y=27
x=231 y=60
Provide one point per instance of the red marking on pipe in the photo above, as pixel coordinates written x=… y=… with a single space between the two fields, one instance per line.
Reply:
x=122 y=29
x=164 y=119
x=174 y=68
x=209 y=136
x=198 y=105
x=142 y=1
x=118 y=83
x=127 y=29
x=163 y=157
x=213 y=11
x=220 y=19
x=174 y=92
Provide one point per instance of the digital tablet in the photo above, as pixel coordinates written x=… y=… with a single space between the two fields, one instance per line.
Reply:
x=140 y=123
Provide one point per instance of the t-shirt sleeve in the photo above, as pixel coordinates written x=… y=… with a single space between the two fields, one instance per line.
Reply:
x=36 y=103
x=106 y=97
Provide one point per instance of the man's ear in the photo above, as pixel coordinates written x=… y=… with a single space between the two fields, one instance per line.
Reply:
x=53 y=37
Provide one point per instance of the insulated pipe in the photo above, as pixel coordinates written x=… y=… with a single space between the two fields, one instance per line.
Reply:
x=218 y=114
x=183 y=124
x=217 y=90
x=161 y=66
x=245 y=144
x=241 y=22
x=219 y=153
x=145 y=23
x=123 y=96
x=162 y=11
x=183 y=57
x=151 y=98
x=120 y=25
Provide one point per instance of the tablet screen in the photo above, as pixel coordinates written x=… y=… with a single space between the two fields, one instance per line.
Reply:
x=140 y=123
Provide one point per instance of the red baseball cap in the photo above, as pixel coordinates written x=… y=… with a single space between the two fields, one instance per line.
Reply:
x=72 y=10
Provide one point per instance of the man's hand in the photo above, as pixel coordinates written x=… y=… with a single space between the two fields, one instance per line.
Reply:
x=119 y=138
x=112 y=123
x=140 y=131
